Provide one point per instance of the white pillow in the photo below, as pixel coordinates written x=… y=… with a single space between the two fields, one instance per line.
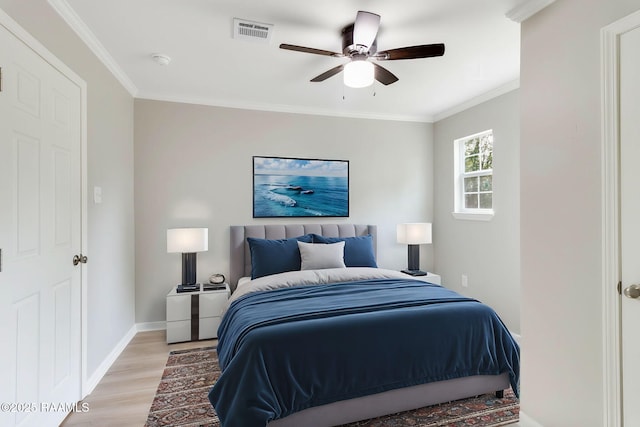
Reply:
x=316 y=256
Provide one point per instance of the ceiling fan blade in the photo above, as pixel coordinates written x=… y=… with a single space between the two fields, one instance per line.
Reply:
x=383 y=75
x=365 y=28
x=330 y=73
x=411 y=52
x=309 y=50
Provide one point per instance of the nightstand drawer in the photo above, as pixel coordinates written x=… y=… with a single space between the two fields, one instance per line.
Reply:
x=209 y=327
x=179 y=331
x=211 y=304
x=179 y=307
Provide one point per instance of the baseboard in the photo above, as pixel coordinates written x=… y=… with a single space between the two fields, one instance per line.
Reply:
x=151 y=326
x=527 y=421
x=95 y=378
x=99 y=373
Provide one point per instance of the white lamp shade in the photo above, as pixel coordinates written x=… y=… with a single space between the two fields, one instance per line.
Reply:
x=187 y=240
x=358 y=74
x=416 y=233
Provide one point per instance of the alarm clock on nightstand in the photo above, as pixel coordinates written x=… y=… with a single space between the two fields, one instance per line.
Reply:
x=216 y=282
x=217 y=279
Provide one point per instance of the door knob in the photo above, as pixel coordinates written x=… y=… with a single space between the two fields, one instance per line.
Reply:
x=77 y=259
x=632 y=291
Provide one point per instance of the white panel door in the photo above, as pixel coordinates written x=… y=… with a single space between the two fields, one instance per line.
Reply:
x=630 y=222
x=40 y=231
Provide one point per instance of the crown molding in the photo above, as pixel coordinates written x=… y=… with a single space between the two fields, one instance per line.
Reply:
x=86 y=35
x=527 y=9
x=480 y=99
x=284 y=108
x=297 y=109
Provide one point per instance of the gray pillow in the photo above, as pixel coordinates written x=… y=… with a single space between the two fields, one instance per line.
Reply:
x=319 y=256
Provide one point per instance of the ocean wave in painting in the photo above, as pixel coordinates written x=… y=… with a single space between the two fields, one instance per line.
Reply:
x=304 y=196
x=279 y=198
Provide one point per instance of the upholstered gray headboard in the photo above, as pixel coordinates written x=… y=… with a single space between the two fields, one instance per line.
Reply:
x=240 y=257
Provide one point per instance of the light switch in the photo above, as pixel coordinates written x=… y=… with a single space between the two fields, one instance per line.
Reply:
x=97 y=195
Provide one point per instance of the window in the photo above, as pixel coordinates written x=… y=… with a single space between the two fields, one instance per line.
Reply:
x=473 y=156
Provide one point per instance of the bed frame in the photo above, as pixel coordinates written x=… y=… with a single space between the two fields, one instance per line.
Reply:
x=365 y=407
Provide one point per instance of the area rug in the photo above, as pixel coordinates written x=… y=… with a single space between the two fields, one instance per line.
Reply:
x=181 y=400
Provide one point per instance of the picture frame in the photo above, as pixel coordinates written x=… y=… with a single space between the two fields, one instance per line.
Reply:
x=300 y=187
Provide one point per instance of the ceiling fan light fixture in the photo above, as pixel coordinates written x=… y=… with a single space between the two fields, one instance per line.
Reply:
x=358 y=74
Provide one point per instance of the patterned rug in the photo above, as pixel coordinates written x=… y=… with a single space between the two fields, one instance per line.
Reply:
x=181 y=401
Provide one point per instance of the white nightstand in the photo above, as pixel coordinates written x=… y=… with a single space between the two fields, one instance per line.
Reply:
x=430 y=277
x=194 y=316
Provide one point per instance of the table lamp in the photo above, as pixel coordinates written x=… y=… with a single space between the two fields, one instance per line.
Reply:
x=188 y=241
x=414 y=235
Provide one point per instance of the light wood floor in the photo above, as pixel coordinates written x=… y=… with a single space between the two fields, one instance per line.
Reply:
x=124 y=395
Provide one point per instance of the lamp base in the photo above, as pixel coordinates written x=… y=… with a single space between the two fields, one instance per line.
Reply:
x=415 y=272
x=189 y=269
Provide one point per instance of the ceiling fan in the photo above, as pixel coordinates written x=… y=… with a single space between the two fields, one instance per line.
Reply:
x=359 y=44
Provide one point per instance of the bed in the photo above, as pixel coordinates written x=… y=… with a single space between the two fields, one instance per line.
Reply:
x=326 y=346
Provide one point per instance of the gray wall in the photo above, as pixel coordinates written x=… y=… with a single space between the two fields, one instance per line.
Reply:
x=193 y=167
x=110 y=165
x=488 y=252
x=561 y=221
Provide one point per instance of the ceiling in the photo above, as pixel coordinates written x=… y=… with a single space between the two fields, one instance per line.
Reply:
x=208 y=66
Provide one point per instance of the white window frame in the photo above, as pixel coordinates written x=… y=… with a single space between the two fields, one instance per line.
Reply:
x=459 y=211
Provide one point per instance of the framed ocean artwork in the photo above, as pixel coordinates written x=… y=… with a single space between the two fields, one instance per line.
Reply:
x=294 y=187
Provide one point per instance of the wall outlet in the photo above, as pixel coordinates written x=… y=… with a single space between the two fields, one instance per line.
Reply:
x=464 y=281
x=97 y=195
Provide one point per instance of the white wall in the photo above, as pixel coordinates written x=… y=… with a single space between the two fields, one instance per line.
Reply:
x=561 y=227
x=110 y=165
x=193 y=167
x=488 y=253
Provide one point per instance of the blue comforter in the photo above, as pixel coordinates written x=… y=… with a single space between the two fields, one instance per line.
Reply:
x=285 y=350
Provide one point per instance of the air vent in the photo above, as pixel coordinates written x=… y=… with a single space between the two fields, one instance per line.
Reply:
x=252 y=31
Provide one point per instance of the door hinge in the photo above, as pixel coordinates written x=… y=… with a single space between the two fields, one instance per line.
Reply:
x=620 y=288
